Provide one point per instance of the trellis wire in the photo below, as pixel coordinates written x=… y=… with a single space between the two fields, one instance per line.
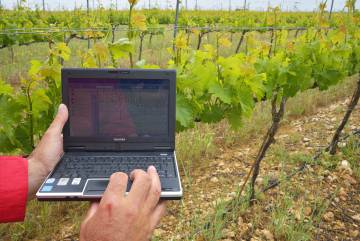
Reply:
x=183 y=28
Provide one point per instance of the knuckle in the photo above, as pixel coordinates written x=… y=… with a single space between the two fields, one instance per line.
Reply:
x=147 y=178
x=137 y=173
x=117 y=179
x=140 y=172
x=118 y=176
x=109 y=202
x=156 y=191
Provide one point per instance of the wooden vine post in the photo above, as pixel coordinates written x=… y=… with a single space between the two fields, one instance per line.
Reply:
x=200 y=36
x=331 y=8
x=240 y=41
x=113 y=28
x=130 y=29
x=176 y=22
x=87 y=13
x=142 y=36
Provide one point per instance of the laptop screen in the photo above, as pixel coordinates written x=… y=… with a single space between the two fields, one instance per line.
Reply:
x=119 y=108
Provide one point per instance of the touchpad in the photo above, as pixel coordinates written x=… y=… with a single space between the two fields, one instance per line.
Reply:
x=96 y=187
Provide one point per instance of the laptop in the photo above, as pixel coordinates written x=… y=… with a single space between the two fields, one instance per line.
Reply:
x=119 y=120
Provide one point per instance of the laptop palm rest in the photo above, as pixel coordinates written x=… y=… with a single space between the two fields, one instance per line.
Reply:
x=98 y=186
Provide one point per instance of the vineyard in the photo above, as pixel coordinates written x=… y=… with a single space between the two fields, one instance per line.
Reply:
x=245 y=81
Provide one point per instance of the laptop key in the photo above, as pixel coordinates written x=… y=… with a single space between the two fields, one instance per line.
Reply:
x=170 y=175
x=56 y=175
x=162 y=173
x=73 y=175
x=98 y=175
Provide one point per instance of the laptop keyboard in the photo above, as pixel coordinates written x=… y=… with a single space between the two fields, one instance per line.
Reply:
x=103 y=167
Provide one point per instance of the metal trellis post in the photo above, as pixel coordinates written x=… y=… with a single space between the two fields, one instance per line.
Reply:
x=176 y=21
x=331 y=8
x=88 y=11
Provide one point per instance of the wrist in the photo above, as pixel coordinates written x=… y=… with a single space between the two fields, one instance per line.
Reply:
x=37 y=172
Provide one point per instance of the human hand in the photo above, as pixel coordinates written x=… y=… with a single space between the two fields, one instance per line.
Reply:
x=47 y=153
x=122 y=218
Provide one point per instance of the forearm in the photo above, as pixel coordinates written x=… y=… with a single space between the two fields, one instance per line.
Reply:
x=13 y=188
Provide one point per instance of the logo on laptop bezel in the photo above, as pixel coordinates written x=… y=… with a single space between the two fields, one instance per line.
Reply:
x=119 y=139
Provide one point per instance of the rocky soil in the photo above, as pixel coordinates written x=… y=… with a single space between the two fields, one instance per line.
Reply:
x=335 y=185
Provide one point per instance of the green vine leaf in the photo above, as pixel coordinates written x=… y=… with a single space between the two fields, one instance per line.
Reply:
x=184 y=115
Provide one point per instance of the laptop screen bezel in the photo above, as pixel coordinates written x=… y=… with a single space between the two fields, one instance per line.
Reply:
x=111 y=143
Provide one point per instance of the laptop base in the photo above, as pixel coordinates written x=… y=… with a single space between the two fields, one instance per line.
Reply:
x=67 y=186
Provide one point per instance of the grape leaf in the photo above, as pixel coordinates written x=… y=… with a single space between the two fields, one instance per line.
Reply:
x=224 y=94
x=212 y=114
x=121 y=48
x=234 y=116
x=184 y=113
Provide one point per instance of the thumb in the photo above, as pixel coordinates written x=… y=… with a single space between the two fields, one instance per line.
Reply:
x=89 y=215
x=60 y=119
x=93 y=208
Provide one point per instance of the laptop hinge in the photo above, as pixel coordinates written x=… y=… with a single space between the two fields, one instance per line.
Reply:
x=162 y=147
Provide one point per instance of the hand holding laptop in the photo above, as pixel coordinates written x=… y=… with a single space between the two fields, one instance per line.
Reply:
x=131 y=217
x=47 y=153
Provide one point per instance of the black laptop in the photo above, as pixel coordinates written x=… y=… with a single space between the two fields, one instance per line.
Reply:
x=119 y=120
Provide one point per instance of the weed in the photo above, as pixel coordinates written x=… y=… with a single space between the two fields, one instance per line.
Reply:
x=328 y=161
x=352 y=153
x=300 y=158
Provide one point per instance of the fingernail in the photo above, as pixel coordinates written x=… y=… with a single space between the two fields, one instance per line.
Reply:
x=131 y=175
x=152 y=168
x=61 y=107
